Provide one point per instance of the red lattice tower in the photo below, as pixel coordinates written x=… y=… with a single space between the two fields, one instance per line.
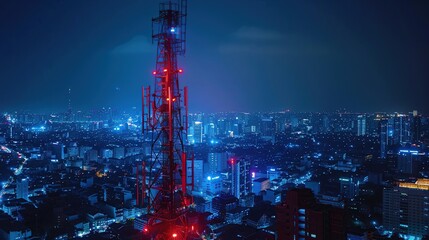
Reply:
x=165 y=111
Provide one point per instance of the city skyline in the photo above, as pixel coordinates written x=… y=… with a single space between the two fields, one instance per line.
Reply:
x=286 y=120
x=365 y=57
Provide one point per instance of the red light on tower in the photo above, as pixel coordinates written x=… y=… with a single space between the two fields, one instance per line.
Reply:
x=232 y=161
x=174 y=235
x=180 y=70
x=154 y=72
x=146 y=230
x=165 y=70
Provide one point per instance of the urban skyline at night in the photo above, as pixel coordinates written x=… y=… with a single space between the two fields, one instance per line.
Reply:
x=221 y=120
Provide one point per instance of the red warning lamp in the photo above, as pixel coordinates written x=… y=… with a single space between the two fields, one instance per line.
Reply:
x=154 y=72
x=146 y=230
x=180 y=70
x=232 y=161
x=165 y=70
x=174 y=235
x=192 y=227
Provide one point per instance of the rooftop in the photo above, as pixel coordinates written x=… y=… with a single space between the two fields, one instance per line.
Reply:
x=421 y=183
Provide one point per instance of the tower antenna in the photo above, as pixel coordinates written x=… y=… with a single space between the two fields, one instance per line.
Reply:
x=165 y=123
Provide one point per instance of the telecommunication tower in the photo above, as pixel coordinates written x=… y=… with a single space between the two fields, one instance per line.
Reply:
x=165 y=122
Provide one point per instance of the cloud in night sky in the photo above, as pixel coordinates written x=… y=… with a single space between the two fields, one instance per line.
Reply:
x=253 y=40
x=258 y=34
x=137 y=45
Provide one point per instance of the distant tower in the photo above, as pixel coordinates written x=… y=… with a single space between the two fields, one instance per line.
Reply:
x=165 y=122
x=69 y=107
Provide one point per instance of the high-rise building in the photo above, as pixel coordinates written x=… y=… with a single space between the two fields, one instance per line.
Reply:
x=268 y=127
x=401 y=129
x=407 y=160
x=240 y=177
x=217 y=161
x=405 y=209
x=395 y=130
x=391 y=131
x=22 y=188
x=383 y=138
x=361 y=125
x=210 y=130
x=349 y=187
x=198 y=173
x=198 y=132
x=301 y=217
x=416 y=124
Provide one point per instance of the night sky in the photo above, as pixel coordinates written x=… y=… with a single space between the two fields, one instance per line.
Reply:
x=242 y=55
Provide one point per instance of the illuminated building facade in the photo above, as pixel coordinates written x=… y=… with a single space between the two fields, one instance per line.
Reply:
x=361 y=125
x=406 y=209
x=212 y=185
x=198 y=132
x=241 y=180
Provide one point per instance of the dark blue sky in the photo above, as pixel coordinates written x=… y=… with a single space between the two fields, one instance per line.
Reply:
x=243 y=55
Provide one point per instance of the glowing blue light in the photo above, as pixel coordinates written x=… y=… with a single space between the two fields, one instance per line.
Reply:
x=173 y=30
x=413 y=152
x=209 y=178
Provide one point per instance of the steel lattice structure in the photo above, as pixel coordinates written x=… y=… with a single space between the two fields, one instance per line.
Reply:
x=165 y=122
